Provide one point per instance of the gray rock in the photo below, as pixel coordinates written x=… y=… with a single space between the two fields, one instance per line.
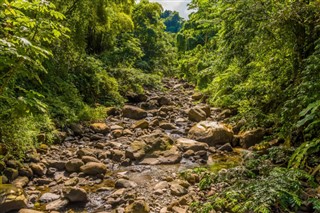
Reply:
x=48 y=197
x=123 y=183
x=177 y=190
x=164 y=101
x=74 y=165
x=86 y=152
x=93 y=168
x=142 y=124
x=167 y=126
x=87 y=159
x=57 y=204
x=187 y=144
x=58 y=164
x=38 y=169
x=20 y=182
x=133 y=112
x=75 y=194
x=197 y=114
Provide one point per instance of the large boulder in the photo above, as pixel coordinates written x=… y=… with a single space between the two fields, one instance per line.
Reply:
x=148 y=144
x=11 y=198
x=211 y=132
x=133 y=112
x=94 y=168
x=251 y=138
x=197 y=114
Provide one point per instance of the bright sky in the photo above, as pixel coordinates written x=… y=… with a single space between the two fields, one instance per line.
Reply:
x=175 y=5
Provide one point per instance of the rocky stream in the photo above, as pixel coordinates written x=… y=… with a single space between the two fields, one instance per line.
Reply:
x=131 y=162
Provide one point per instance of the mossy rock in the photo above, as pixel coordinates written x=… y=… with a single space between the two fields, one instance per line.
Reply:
x=11 y=198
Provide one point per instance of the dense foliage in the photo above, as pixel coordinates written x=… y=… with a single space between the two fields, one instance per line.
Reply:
x=60 y=59
x=259 y=184
x=260 y=58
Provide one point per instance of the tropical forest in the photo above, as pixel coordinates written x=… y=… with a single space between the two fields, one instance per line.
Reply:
x=123 y=106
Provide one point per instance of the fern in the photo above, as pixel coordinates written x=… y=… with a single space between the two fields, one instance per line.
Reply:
x=300 y=156
x=275 y=188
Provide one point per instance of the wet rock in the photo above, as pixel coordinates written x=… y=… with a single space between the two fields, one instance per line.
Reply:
x=20 y=182
x=251 y=138
x=11 y=198
x=177 y=190
x=133 y=112
x=123 y=183
x=38 y=169
x=142 y=124
x=226 y=147
x=196 y=114
x=74 y=165
x=102 y=128
x=75 y=194
x=57 y=204
x=138 y=206
x=212 y=133
x=93 y=168
x=48 y=197
x=187 y=144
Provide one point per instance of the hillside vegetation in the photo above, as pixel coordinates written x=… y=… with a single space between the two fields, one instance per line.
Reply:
x=63 y=63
